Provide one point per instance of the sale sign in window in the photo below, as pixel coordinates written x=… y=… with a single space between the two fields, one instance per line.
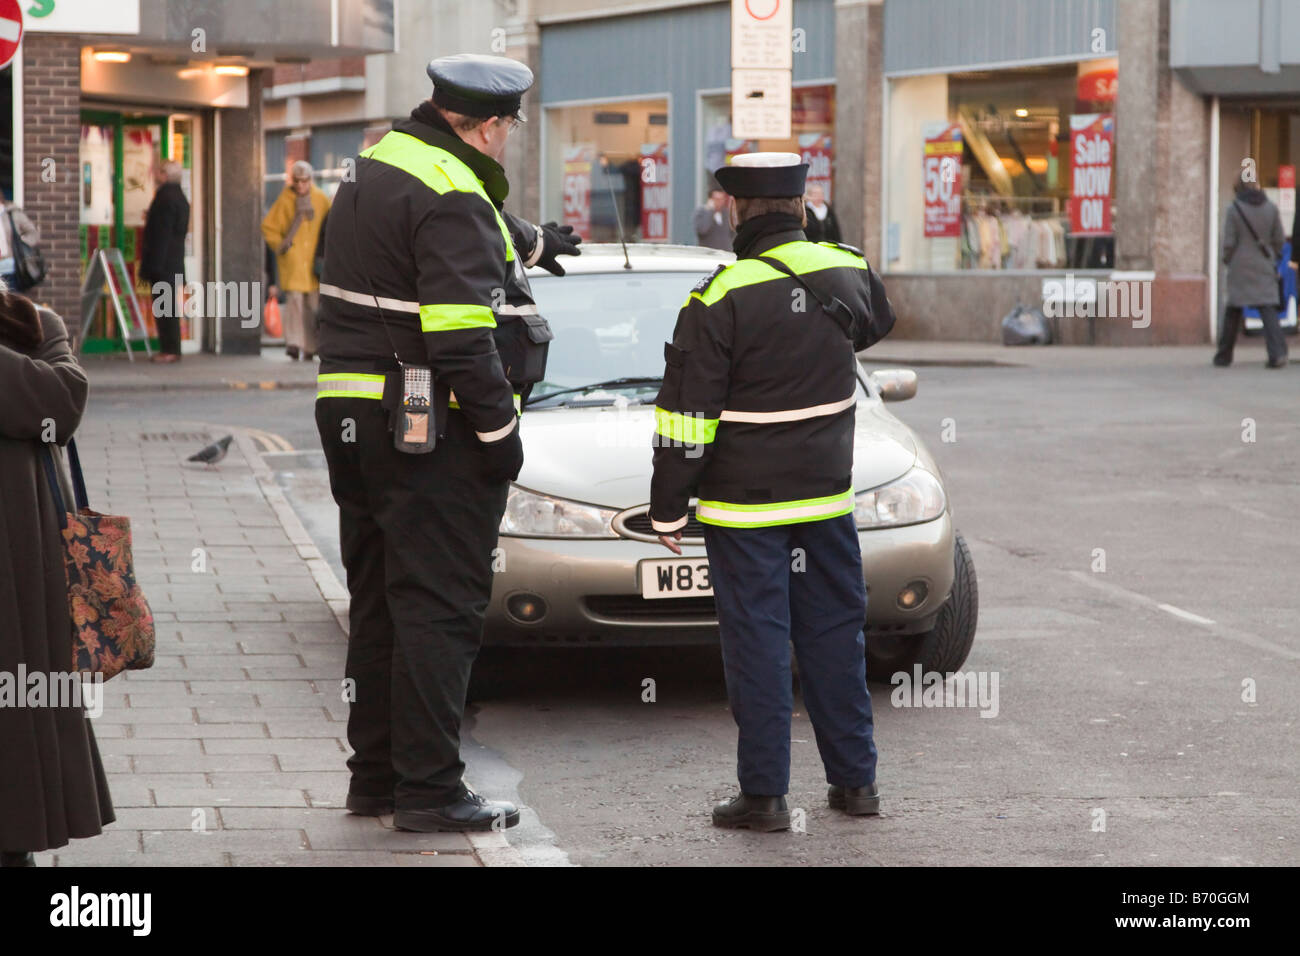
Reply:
x=654 y=192
x=578 y=161
x=1092 y=159
x=941 y=175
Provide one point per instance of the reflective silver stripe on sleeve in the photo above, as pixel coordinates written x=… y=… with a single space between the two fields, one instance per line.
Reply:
x=360 y=298
x=499 y=434
x=528 y=309
x=539 y=246
x=792 y=415
x=668 y=526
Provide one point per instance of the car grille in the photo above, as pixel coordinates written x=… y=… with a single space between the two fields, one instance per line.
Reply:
x=633 y=607
x=640 y=524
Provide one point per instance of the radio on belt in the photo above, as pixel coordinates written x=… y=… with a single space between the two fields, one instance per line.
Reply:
x=415 y=433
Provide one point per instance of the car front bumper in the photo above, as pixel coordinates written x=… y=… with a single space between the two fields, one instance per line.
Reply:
x=592 y=591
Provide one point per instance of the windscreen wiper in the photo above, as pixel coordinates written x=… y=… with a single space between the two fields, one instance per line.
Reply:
x=612 y=383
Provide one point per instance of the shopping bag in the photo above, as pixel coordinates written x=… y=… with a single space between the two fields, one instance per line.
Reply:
x=271 y=318
x=112 y=626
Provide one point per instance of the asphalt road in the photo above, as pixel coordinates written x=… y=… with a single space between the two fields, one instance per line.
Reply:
x=1125 y=731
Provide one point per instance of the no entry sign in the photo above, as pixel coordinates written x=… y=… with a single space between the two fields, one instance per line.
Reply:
x=11 y=30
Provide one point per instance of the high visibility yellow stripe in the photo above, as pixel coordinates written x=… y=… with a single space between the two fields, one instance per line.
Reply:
x=438 y=169
x=688 y=429
x=349 y=385
x=727 y=515
x=449 y=318
x=802 y=257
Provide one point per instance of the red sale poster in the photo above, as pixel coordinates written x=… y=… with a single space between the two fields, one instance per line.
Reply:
x=1092 y=164
x=941 y=174
x=815 y=148
x=654 y=192
x=578 y=161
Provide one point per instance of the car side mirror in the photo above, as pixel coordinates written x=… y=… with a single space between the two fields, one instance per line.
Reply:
x=895 y=384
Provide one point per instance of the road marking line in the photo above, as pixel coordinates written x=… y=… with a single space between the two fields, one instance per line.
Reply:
x=1185 y=615
x=1219 y=630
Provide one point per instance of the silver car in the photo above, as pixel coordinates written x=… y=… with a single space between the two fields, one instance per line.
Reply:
x=578 y=564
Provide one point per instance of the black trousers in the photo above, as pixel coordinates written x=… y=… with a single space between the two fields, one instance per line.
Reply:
x=417 y=534
x=168 y=322
x=1274 y=339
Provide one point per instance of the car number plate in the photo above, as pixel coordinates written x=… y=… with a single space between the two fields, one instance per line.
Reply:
x=675 y=578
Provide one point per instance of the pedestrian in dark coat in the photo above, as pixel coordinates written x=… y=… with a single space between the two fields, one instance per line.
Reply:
x=52 y=783
x=163 y=260
x=822 y=224
x=1252 y=245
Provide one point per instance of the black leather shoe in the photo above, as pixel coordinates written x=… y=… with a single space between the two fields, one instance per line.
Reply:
x=17 y=859
x=855 y=801
x=743 y=812
x=369 y=806
x=470 y=812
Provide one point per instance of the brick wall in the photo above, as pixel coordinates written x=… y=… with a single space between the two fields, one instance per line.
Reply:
x=52 y=131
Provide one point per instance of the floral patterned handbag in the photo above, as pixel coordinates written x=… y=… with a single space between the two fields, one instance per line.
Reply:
x=112 y=626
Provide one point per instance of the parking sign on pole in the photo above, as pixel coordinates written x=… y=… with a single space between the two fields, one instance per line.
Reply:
x=761 y=64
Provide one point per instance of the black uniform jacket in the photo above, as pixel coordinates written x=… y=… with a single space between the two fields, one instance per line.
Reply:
x=756 y=411
x=417 y=263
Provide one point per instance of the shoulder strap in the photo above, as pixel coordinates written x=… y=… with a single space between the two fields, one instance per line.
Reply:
x=832 y=306
x=1241 y=214
x=52 y=479
x=78 y=479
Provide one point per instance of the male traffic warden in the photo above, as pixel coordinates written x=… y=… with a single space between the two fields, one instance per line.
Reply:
x=756 y=418
x=421 y=365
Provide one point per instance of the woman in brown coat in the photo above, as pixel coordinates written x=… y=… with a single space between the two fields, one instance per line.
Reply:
x=52 y=783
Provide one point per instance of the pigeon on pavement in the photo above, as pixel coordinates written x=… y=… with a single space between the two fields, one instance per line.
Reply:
x=213 y=453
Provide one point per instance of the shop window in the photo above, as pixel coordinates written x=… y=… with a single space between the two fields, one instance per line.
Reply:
x=606 y=164
x=812 y=128
x=1007 y=169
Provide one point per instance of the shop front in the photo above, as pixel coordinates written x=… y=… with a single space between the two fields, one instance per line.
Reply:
x=119 y=153
x=631 y=140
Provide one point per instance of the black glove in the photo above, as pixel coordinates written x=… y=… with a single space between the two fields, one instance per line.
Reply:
x=557 y=240
x=504 y=457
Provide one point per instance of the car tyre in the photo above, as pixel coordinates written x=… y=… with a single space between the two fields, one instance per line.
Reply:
x=944 y=647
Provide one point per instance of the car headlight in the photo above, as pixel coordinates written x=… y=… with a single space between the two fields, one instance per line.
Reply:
x=541 y=516
x=917 y=496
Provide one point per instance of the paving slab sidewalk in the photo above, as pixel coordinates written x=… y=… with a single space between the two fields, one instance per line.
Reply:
x=270 y=370
x=230 y=750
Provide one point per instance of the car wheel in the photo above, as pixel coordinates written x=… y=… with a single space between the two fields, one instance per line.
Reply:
x=944 y=647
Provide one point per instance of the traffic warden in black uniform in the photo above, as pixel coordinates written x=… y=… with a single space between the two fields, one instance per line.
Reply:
x=756 y=418
x=427 y=335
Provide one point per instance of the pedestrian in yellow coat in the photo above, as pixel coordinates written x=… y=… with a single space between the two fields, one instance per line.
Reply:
x=292 y=229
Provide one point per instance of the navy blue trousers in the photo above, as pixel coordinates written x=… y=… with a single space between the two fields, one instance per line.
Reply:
x=765 y=603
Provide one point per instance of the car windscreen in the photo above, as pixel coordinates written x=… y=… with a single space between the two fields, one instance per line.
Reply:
x=609 y=328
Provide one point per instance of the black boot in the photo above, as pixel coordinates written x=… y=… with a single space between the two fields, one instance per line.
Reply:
x=470 y=812
x=744 y=812
x=855 y=801
x=16 y=859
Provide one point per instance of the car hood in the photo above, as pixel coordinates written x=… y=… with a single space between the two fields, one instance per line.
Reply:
x=602 y=455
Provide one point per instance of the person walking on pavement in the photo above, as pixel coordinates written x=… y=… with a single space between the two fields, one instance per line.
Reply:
x=712 y=227
x=756 y=417
x=1252 y=245
x=162 y=261
x=52 y=783
x=822 y=224
x=419 y=423
x=292 y=228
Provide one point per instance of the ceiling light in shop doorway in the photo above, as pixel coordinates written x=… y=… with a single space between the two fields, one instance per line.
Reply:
x=231 y=69
x=1022 y=112
x=112 y=56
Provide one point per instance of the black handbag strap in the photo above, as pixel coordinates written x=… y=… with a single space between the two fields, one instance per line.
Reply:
x=1241 y=214
x=52 y=478
x=832 y=306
